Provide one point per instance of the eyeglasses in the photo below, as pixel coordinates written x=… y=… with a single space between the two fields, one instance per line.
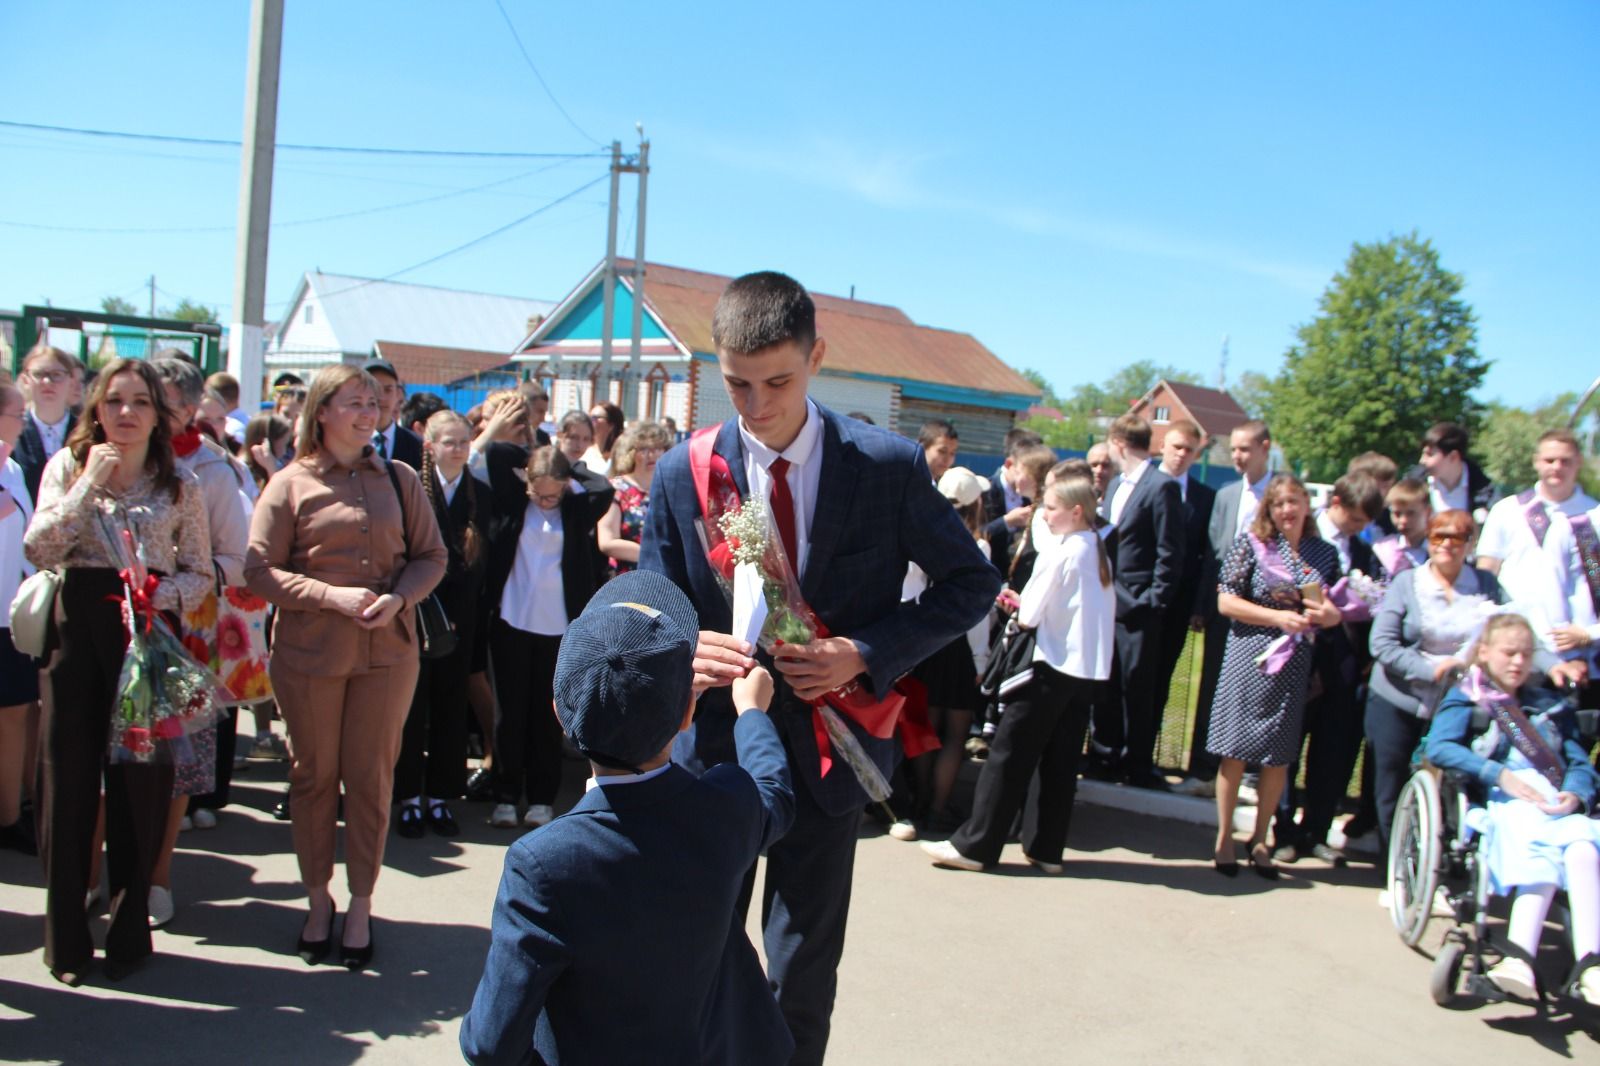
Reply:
x=49 y=377
x=1447 y=538
x=647 y=451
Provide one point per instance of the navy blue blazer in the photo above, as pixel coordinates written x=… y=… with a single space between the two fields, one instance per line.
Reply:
x=877 y=510
x=1147 y=546
x=615 y=935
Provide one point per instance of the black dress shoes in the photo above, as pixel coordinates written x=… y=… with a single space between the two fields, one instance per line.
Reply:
x=441 y=821
x=480 y=786
x=280 y=811
x=409 y=824
x=312 y=952
x=359 y=958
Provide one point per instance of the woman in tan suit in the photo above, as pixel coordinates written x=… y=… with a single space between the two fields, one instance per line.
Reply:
x=345 y=550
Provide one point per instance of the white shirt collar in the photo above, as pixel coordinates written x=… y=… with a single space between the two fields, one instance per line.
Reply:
x=1256 y=488
x=1329 y=531
x=1138 y=472
x=626 y=779
x=451 y=486
x=802 y=450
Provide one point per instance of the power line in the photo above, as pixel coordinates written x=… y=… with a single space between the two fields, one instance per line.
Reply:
x=517 y=38
x=51 y=228
x=349 y=149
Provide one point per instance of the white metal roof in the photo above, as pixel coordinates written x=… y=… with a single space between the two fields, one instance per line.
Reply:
x=360 y=311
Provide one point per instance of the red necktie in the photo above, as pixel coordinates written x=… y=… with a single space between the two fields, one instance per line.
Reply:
x=783 y=509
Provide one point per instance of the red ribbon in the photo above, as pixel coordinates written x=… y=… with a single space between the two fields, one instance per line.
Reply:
x=144 y=596
x=717 y=494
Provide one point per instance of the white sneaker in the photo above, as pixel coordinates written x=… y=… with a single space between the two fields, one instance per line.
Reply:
x=1365 y=844
x=1514 y=977
x=1248 y=797
x=1589 y=986
x=1195 y=786
x=186 y=825
x=538 y=814
x=943 y=853
x=161 y=908
x=1052 y=868
x=504 y=816
x=203 y=818
x=1384 y=899
x=903 y=829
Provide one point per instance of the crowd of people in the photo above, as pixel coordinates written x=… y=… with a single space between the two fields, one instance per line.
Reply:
x=395 y=580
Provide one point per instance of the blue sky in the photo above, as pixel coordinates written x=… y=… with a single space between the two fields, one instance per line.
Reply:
x=1077 y=185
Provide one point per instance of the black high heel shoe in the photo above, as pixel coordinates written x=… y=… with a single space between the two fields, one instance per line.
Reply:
x=358 y=958
x=312 y=952
x=1226 y=869
x=1267 y=869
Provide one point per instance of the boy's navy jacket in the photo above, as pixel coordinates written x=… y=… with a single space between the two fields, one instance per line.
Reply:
x=877 y=509
x=616 y=936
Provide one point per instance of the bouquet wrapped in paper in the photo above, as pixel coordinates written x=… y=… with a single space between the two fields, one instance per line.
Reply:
x=1357 y=595
x=163 y=694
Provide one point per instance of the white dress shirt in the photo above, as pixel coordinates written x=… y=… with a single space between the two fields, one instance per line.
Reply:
x=535 y=599
x=383 y=440
x=449 y=488
x=52 y=434
x=1125 y=487
x=1073 y=614
x=13 y=565
x=1250 y=502
x=1330 y=533
x=1545 y=584
x=1442 y=498
x=804 y=475
x=625 y=779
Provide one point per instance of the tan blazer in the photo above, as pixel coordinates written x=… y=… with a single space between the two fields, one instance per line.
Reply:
x=319 y=525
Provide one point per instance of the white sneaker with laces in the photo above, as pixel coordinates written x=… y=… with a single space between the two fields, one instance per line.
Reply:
x=538 y=814
x=1514 y=977
x=903 y=829
x=504 y=816
x=161 y=907
x=1589 y=986
x=943 y=853
x=203 y=818
x=1195 y=786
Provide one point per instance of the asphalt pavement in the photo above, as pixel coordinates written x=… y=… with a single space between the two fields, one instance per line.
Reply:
x=1139 y=953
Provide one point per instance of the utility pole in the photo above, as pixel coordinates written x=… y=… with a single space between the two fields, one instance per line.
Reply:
x=1222 y=365
x=608 y=284
x=245 y=341
x=631 y=382
x=150 y=337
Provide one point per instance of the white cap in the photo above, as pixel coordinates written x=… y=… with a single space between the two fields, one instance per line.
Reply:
x=961 y=486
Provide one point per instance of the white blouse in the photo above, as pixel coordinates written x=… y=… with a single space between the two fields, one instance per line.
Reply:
x=534 y=599
x=1073 y=613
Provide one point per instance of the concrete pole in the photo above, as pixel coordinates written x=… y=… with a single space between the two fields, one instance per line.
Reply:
x=246 y=346
x=608 y=284
x=637 y=336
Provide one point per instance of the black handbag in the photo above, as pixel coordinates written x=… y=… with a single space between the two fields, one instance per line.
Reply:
x=436 y=634
x=1010 y=663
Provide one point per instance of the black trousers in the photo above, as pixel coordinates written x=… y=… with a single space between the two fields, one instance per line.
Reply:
x=1393 y=735
x=433 y=746
x=1333 y=721
x=1043 y=729
x=79 y=688
x=527 y=735
x=1202 y=763
x=1131 y=727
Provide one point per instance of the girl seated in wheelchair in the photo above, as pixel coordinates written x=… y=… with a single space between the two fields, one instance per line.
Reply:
x=1541 y=787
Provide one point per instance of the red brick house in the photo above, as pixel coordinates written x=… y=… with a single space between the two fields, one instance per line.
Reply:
x=1213 y=409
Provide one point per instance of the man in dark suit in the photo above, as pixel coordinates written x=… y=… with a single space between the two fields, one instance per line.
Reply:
x=1179 y=449
x=616 y=934
x=1250 y=447
x=391 y=439
x=1145 y=509
x=46 y=381
x=853 y=505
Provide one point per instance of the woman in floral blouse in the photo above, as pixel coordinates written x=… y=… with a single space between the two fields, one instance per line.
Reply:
x=116 y=471
x=634 y=464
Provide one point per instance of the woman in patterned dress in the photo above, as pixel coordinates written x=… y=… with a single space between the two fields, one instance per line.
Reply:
x=1270 y=587
x=634 y=464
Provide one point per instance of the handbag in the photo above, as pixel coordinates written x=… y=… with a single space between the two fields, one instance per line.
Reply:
x=31 y=609
x=436 y=634
x=1010 y=663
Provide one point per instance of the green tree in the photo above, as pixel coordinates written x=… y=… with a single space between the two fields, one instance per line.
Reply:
x=1392 y=351
x=190 y=311
x=116 y=305
x=1250 y=391
x=1050 y=397
x=1127 y=385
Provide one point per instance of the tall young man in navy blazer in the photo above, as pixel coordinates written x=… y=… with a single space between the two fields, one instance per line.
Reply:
x=1145 y=507
x=864 y=506
x=617 y=935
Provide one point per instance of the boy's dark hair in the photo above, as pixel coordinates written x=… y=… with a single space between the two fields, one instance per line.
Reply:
x=1020 y=440
x=935 y=429
x=1376 y=464
x=1257 y=429
x=1446 y=437
x=862 y=416
x=1359 y=492
x=759 y=310
x=1132 y=430
x=419 y=407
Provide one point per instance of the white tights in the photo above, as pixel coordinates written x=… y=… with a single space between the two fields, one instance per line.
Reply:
x=1583 y=901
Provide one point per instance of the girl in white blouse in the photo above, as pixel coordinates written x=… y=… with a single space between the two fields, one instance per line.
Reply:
x=1069 y=605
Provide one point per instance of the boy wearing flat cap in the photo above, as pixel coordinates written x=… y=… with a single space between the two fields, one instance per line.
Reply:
x=616 y=936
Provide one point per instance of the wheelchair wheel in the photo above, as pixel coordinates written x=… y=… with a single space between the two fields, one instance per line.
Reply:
x=1415 y=854
x=1446 y=976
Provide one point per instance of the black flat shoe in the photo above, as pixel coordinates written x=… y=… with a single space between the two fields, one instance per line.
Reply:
x=442 y=821
x=480 y=786
x=1261 y=862
x=312 y=952
x=358 y=958
x=71 y=978
x=281 y=810
x=409 y=825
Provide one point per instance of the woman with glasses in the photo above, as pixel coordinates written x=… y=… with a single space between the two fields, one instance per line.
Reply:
x=541 y=574
x=47 y=381
x=1419 y=638
x=433 y=749
x=634 y=465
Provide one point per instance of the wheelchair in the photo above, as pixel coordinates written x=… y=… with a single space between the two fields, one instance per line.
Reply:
x=1436 y=871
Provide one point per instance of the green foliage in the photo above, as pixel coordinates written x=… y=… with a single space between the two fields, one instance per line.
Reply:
x=190 y=311
x=1126 y=386
x=1392 y=351
x=116 y=305
x=1506 y=443
x=1049 y=399
x=1250 y=391
x=1084 y=408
